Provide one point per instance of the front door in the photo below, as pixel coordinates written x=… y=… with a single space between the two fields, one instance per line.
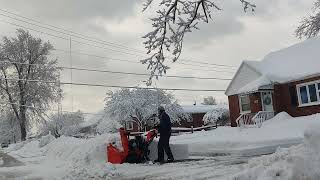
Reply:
x=266 y=98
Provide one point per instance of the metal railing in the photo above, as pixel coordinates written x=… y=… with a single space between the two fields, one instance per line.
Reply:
x=254 y=120
x=245 y=120
x=262 y=116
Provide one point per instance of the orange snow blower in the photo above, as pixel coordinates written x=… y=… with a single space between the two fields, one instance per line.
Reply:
x=135 y=150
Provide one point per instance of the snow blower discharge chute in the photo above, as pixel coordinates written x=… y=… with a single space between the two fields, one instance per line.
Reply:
x=135 y=150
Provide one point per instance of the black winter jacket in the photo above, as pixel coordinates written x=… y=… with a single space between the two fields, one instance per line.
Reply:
x=165 y=125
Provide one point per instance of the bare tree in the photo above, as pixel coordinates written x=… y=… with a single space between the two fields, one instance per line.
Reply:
x=23 y=61
x=174 y=19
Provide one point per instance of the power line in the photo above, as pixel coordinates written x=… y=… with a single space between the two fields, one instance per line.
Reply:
x=67 y=39
x=121 y=72
x=48 y=109
x=64 y=32
x=135 y=62
x=83 y=43
x=207 y=63
x=88 y=38
x=115 y=86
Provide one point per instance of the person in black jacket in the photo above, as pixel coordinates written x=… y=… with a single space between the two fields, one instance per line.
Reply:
x=165 y=132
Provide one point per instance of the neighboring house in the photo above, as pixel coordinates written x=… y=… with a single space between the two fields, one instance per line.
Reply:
x=132 y=126
x=196 y=112
x=286 y=80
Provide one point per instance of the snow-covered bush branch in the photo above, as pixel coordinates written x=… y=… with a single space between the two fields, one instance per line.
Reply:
x=140 y=105
x=216 y=115
x=174 y=19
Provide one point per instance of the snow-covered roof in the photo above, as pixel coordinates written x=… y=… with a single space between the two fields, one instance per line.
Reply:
x=293 y=63
x=201 y=108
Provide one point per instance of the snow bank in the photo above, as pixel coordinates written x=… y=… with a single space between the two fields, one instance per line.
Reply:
x=86 y=158
x=26 y=150
x=300 y=162
x=44 y=140
x=282 y=130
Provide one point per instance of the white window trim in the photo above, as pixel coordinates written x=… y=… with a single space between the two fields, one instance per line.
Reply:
x=308 y=94
x=240 y=104
x=129 y=125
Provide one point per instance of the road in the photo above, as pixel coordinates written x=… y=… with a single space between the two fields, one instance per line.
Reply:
x=200 y=167
x=8 y=169
x=217 y=168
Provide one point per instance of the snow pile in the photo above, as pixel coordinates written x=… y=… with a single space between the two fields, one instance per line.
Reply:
x=85 y=158
x=15 y=147
x=282 y=130
x=27 y=151
x=44 y=140
x=108 y=125
x=295 y=163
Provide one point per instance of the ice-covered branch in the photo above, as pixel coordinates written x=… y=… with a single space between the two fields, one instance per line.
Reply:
x=174 y=19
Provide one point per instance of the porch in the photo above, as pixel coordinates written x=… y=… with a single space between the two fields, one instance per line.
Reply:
x=252 y=109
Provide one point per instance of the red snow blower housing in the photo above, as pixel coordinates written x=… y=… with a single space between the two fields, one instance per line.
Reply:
x=135 y=150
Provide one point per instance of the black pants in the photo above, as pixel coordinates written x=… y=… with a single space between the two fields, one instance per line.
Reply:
x=163 y=145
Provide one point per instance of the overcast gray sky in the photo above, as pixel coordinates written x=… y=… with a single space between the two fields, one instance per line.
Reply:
x=232 y=37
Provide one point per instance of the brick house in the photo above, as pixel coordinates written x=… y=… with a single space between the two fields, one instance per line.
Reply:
x=196 y=112
x=286 y=80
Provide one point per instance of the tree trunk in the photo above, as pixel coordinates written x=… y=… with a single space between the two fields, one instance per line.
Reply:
x=23 y=120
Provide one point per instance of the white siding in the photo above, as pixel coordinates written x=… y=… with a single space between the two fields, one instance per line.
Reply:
x=244 y=76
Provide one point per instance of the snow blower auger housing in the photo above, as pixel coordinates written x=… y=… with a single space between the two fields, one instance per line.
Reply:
x=135 y=149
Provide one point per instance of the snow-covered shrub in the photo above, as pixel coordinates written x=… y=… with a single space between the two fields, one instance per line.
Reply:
x=108 y=125
x=66 y=124
x=44 y=140
x=219 y=113
x=141 y=105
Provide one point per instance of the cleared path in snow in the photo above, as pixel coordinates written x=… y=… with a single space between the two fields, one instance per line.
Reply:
x=219 y=167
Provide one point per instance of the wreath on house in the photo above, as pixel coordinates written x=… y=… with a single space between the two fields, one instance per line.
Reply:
x=267 y=100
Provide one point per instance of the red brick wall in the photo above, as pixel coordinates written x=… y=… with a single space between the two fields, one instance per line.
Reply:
x=283 y=100
x=197 y=121
x=234 y=109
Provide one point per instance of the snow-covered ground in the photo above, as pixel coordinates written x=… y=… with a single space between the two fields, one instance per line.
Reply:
x=282 y=130
x=71 y=158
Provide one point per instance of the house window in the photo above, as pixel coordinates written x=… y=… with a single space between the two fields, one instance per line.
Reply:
x=129 y=125
x=244 y=101
x=309 y=93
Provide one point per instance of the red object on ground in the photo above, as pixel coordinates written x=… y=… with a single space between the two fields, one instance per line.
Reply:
x=115 y=156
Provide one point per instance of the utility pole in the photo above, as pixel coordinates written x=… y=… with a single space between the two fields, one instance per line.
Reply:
x=71 y=75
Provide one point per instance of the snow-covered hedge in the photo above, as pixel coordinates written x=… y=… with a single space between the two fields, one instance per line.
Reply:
x=300 y=162
x=216 y=114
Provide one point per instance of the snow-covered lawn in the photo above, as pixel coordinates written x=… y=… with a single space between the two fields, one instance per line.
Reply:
x=72 y=158
x=282 y=130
